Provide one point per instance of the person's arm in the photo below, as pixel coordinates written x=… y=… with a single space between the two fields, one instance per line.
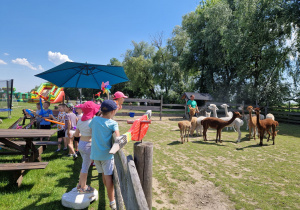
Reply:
x=117 y=132
x=77 y=133
x=69 y=128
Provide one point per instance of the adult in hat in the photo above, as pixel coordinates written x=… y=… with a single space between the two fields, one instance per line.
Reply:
x=119 y=99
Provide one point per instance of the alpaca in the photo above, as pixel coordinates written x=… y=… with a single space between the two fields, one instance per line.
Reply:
x=199 y=127
x=245 y=116
x=270 y=116
x=275 y=124
x=185 y=126
x=227 y=114
x=237 y=123
x=216 y=123
x=265 y=125
x=252 y=123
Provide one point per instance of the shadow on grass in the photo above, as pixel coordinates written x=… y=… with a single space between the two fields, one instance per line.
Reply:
x=174 y=143
x=208 y=142
x=253 y=146
x=50 y=205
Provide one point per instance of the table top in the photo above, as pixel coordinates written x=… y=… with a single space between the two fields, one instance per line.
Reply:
x=26 y=133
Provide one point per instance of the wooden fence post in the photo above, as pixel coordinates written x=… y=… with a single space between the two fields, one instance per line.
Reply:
x=161 y=103
x=143 y=158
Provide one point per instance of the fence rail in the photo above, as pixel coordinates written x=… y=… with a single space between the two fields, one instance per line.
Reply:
x=127 y=185
x=154 y=105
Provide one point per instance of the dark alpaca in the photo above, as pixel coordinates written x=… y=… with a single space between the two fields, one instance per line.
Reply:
x=264 y=126
x=216 y=123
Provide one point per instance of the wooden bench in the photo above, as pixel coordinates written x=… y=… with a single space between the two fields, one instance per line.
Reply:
x=18 y=169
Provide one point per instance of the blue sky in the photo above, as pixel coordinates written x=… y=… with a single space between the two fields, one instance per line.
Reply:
x=37 y=35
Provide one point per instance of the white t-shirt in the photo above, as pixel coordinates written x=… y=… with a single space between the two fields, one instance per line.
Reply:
x=83 y=127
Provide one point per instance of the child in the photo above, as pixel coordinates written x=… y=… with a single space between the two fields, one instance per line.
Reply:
x=37 y=112
x=102 y=130
x=89 y=110
x=119 y=99
x=47 y=114
x=70 y=125
x=61 y=128
x=78 y=115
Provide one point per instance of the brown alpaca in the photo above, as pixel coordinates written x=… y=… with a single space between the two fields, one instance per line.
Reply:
x=185 y=126
x=263 y=126
x=274 y=125
x=217 y=123
x=251 y=123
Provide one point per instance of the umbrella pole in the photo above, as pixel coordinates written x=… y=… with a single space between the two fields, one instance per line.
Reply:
x=80 y=94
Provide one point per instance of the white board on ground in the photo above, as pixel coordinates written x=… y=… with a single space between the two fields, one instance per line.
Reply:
x=75 y=200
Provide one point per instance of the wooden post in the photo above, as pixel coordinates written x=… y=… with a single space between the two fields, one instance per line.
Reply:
x=143 y=158
x=161 y=103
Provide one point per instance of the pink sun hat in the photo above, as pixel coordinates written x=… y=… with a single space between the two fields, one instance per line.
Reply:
x=89 y=109
x=119 y=94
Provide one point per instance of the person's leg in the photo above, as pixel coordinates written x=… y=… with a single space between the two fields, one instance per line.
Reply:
x=70 y=145
x=85 y=151
x=59 y=143
x=108 y=180
x=65 y=143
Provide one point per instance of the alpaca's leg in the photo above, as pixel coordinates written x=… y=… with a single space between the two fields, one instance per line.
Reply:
x=204 y=133
x=234 y=128
x=188 y=132
x=268 y=131
x=201 y=129
x=261 y=136
x=181 y=132
x=217 y=135
x=220 y=132
x=250 y=133
x=273 y=133
x=239 y=133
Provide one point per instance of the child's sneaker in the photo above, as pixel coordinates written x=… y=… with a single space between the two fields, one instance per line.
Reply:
x=65 y=149
x=57 y=150
x=113 y=205
x=75 y=156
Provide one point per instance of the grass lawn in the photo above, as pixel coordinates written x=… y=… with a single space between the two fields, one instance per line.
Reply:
x=251 y=176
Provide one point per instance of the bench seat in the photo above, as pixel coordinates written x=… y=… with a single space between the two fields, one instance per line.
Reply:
x=22 y=166
x=37 y=143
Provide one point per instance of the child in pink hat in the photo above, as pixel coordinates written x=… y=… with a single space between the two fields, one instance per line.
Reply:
x=119 y=99
x=83 y=131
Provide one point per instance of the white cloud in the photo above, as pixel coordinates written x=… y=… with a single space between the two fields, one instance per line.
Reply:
x=40 y=68
x=6 y=54
x=23 y=62
x=2 y=62
x=57 y=58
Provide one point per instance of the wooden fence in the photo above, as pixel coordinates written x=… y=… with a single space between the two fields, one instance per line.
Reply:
x=160 y=109
x=128 y=188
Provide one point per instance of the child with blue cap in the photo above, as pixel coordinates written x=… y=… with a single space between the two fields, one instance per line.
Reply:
x=102 y=130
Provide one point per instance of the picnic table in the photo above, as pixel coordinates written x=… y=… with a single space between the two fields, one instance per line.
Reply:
x=21 y=141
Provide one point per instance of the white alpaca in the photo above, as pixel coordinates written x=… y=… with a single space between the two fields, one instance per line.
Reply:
x=271 y=116
x=237 y=123
x=199 y=127
x=246 y=117
x=227 y=114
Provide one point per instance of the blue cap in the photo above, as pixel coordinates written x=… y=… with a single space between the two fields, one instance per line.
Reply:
x=108 y=105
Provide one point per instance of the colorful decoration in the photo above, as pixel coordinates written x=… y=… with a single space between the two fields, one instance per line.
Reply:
x=41 y=96
x=29 y=112
x=105 y=87
x=56 y=122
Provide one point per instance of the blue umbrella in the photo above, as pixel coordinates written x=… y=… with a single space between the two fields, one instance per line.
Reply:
x=83 y=75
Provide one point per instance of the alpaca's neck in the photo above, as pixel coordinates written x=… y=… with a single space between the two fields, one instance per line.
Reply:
x=231 y=120
x=250 y=117
x=215 y=113
x=226 y=111
x=257 y=119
